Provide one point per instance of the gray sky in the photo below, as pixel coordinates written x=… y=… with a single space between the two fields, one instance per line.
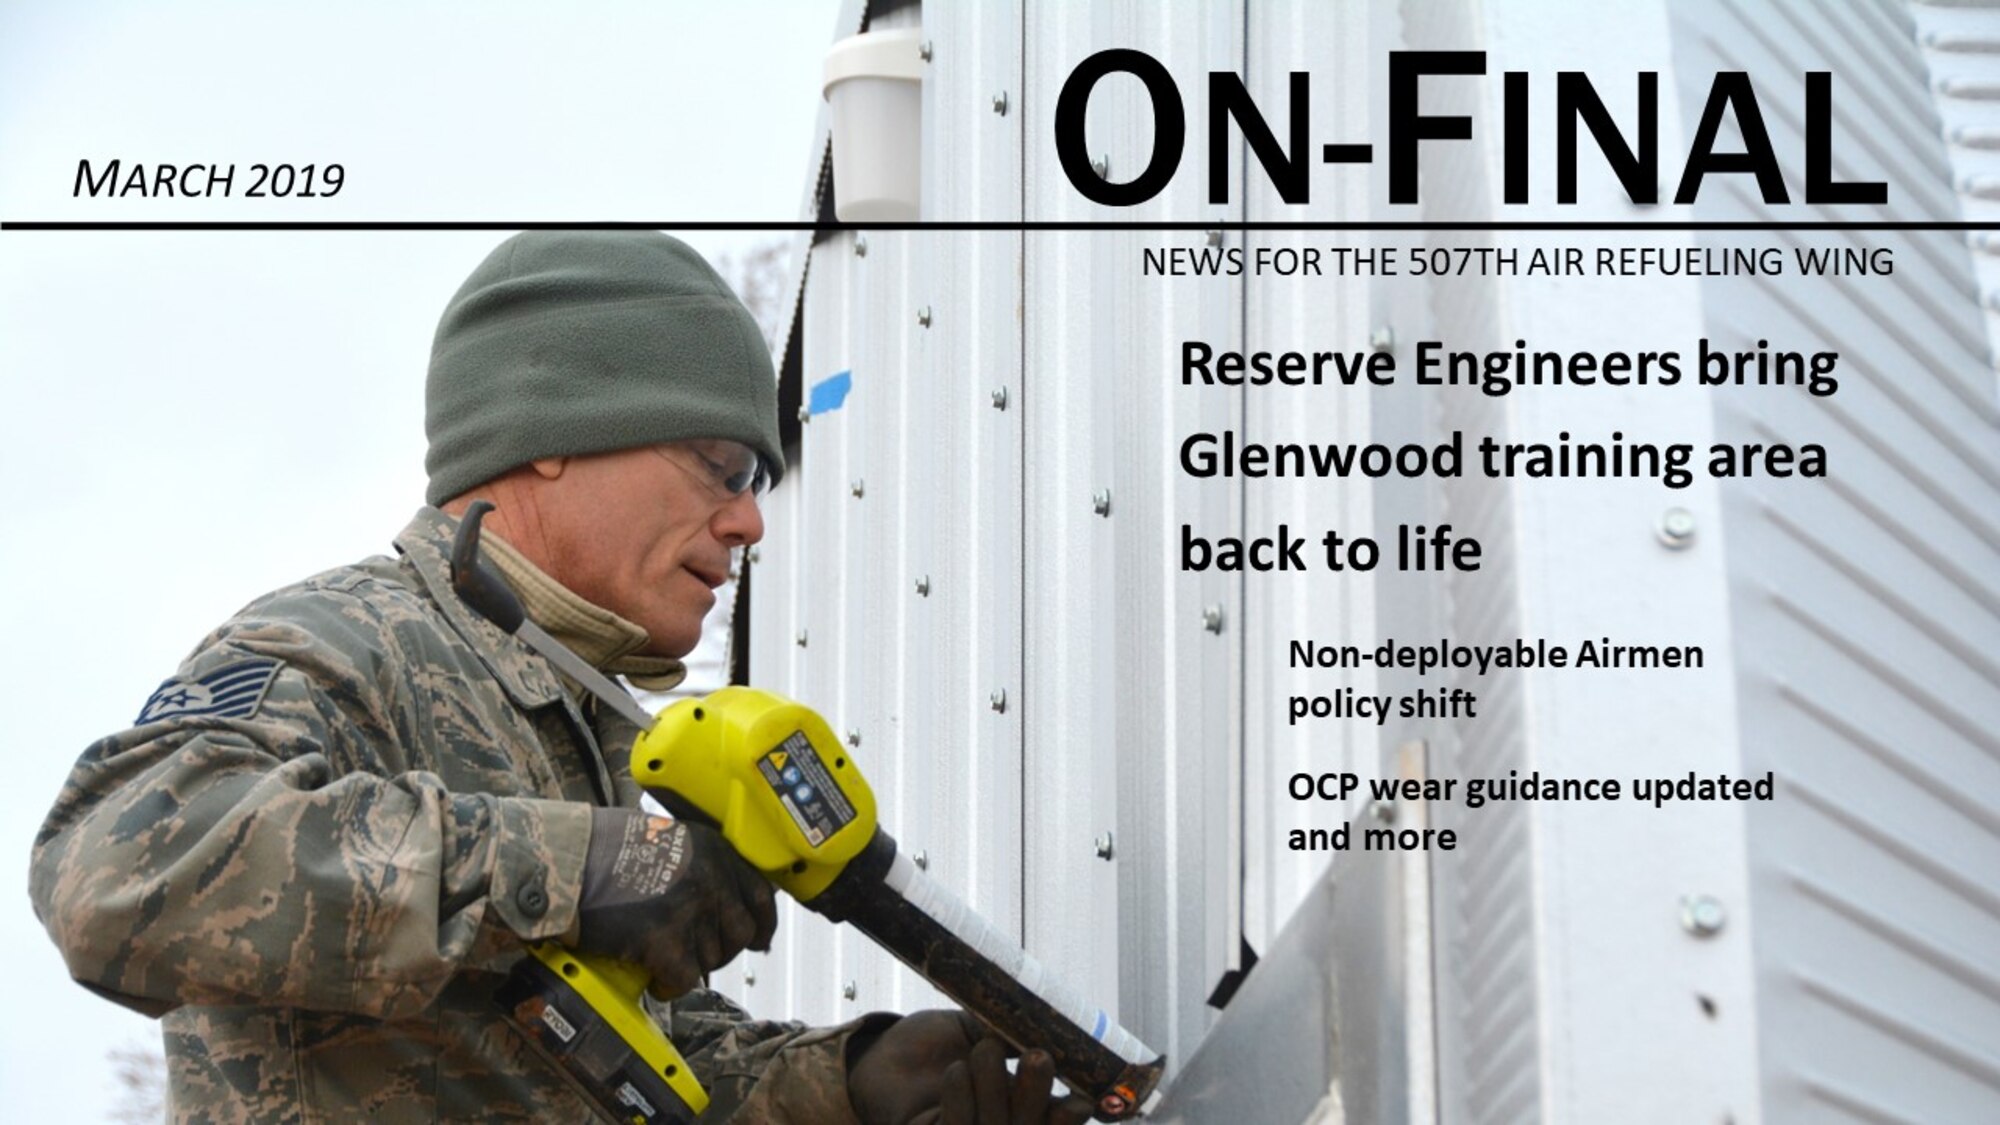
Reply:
x=192 y=419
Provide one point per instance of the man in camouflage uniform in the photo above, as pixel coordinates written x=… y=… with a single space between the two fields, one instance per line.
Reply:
x=324 y=841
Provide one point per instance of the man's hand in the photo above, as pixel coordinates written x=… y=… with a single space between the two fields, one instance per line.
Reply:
x=669 y=896
x=942 y=1068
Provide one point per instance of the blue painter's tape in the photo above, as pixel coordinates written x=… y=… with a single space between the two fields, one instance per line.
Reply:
x=829 y=393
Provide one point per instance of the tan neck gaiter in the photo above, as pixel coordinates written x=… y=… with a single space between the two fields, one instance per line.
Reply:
x=603 y=639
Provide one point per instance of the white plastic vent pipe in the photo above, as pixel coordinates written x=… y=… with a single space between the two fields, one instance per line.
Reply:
x=873 y=84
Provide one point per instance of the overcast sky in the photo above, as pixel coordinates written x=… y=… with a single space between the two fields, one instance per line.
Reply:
x=191 y=419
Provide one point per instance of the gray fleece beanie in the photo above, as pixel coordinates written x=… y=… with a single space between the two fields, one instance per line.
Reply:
x=575 y=342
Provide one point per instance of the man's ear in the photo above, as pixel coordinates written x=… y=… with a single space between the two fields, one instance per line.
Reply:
x=549 y=468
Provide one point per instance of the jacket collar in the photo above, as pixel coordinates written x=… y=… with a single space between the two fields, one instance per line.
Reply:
x=425 y=545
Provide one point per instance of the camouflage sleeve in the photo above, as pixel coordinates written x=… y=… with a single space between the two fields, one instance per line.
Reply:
x=280 y=850
x=763 y=1070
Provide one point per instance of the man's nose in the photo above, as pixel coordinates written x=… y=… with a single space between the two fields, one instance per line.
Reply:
x=739 y=522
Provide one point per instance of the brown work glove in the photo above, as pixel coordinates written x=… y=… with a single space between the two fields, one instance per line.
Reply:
x=669 y=896
x=943 y=1068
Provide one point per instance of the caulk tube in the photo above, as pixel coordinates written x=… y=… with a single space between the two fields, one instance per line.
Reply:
x=889 y=898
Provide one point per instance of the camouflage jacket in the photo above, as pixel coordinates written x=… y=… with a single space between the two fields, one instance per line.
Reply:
x=322 y=845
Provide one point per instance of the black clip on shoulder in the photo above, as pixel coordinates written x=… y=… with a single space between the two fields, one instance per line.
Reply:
x=481 y=588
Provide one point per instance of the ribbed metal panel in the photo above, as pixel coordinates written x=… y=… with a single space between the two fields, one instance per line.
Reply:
x=895 y=549
x=1489 y=978
x=837 y=558
x=1961 y=45
x=1565 y=992
x=1130 y=700
x=764 y=983
x=957 y=656
x=1059 y=683
x=1867 y=609
x=1332 y=43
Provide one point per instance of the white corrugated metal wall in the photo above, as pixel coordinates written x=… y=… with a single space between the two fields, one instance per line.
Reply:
x=889 y=590
x=1131 y=698
x=1542 y=915
x=1962 y=46
x=1867 y=613
x=1032 y=678
x=1338 y=45
x=1011 y=450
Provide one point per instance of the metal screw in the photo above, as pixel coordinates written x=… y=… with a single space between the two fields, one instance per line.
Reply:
x=854 y=738
x=924 y=51
x=1000 y=103
x=805 y=415
x=999 y=398
x=1385 y=811
x=861 y=246
x=924 y=316
x=922 y=860
x=1215 y=238
x=1383 y=339
x=1104 y=848
x=857 y=487
x=750 y=978
x=1211 y=618
x=802 y=638
x=1100 y=502
x=1701 y=915
x=1102 y=166
x=924 y=586
x=1677 y=528
x=998 y=701
x=848 y=990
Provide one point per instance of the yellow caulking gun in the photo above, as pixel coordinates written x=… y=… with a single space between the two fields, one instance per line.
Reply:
x=769 y=774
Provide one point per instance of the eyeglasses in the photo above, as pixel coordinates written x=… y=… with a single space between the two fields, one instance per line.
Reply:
x=728 y=468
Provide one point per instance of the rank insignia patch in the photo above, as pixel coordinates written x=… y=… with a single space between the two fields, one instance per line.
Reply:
x=230 y=692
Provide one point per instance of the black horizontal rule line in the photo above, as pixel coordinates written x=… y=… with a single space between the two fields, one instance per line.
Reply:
x=1635 y=226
